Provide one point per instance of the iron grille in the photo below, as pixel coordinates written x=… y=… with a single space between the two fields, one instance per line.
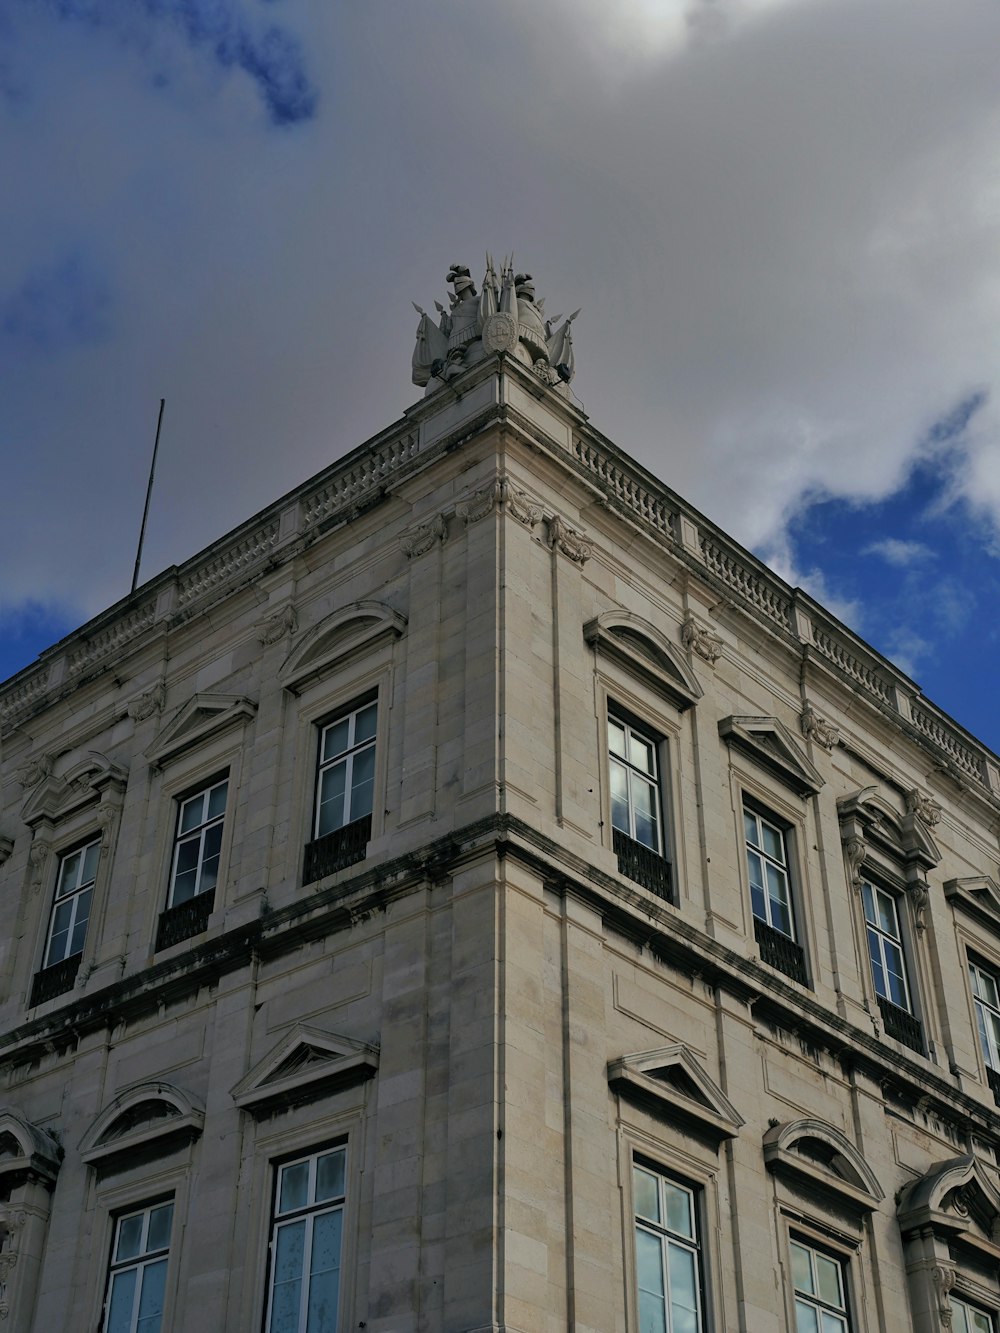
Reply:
x=335 y=851
x=186 y=919
x=642 y=864
x=780 y=951
x=901 y=1024
x=55 y=980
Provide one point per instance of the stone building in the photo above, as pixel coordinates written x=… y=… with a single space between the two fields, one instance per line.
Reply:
x=476 y=894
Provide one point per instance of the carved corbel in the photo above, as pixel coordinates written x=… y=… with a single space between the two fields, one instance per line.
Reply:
x=38 y=857
x=34 y=771
x=698 y=639
x=944 y=1280
x=816 y=728
x=145 y=705
x=420 y=539
x=518 y=504
x=480 y=503
x=923 y=806
x=568 y=541
x=919 y=897
x=282 y=624
x=855 y=853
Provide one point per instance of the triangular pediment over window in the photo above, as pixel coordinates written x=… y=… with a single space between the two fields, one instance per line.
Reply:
x=643 y=650
x=978 y=895
x=203 y=716
x=87 y=780
x=26 y=1150
x=773 y=747
x=823 y=1162
x=305 y=1064
x=345 y=634
x=956 y=1201
x=142 y=1115
x=672 y=1084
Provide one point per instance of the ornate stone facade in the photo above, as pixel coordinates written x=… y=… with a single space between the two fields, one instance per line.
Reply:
x=455 y=862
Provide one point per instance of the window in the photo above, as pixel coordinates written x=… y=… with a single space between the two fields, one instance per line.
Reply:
x=888 y=964
x=138 y=1276
x=194 y=870
x=820 y=1291
x=304 y=1283
x=966 y=1319
x=636 y=806
x=68 y=924
x=986 y=999
x=771 y=894
x=667 y=1254
x=345 y=786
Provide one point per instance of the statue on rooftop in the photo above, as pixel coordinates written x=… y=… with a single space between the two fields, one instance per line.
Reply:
x=504 y=317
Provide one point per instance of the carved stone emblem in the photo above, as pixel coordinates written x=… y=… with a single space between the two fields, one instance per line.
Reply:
x=816 y=728
x=499 y=332
x=568 y=541
x=420 y=539
x=924 y=807
x=701 y=640
x=145 y=705
x=34 y=771
x=276 y=627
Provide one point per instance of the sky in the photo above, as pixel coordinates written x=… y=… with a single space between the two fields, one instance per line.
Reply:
x=781 y=219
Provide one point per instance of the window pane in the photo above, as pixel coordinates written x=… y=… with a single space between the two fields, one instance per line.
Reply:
x=887 y=914
x=649 y=1268
x=647 y=1194
x=158 y=1236
x=679 y=1217
x=362 y=781
x=217 y=800
x=683 y=1290
x=129 y=1237
x=324 y=1284
x=331 y=799
x=644 y=803
x=777 y=887
x=122 y=1301
x=867 y=897
x=878 y=972
x=330 y=1176
x=294 y=1187
x=191 y=813
x=774 y=843
x=896 y=975
x=806 y=1319
x=750 y=824
x=364 y=724
x=834 y=1323
x=828 y=1278
x=802 y=1278
x=154 y=1280
x=91 y=856
x=69 y=873
x=80 y=924
x=286 y=1286
x=616 y=738
x=619 y=799
x=335 y=738
x=641 y=753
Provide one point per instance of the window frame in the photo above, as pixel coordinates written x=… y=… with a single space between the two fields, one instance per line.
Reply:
x=644 y=735
x=785 y=953
x=812 y=1299
x=760 y=813
x=989 y=1043
x=182 y=837
x=973 y=1308
x=349 y=711
x=653 y=868
x=694 y=1244
x=278 y=1220
x=139 y=1262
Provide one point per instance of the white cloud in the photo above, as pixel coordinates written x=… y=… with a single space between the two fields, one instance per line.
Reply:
x=898 y=552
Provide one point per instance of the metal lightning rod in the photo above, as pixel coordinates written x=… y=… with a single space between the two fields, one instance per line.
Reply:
x=149 y=491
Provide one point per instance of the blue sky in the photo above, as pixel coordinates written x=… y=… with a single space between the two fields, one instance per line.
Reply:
x=779 y=216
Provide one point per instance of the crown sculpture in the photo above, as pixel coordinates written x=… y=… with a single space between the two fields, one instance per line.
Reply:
x=504 y=317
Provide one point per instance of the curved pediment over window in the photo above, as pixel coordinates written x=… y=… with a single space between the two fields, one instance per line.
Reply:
x=672 y=1084
x=905 y=839
x=87 y=779
x=955 y=1200
x=643 y=650
x=203 y=716
x=820 y=1159
x=144 y=1114
x=27 y=1150
x=772 y=745
x=305 y=1064
x=347 y=632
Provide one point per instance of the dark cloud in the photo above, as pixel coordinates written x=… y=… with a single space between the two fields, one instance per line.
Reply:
x=58 y=306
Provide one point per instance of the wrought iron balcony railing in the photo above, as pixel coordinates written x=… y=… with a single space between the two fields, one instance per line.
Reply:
x=780 y=951
x=642 y=864
x=993 y=1079
x=184 y=920
x=55 y=980
x=901 y=1024
x=335 y=851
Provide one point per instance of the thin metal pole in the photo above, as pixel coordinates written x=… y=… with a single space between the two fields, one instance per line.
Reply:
x=149 y=491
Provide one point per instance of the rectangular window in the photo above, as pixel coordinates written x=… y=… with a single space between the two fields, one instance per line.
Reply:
x=345 y=791
x=637 y=806
x=967 y=1319
x=888 y=965
x=306 y=1238
x=198 y=843
x=987 y=1002
x=820 y=1291
x=667 y=1254
x=71 y=908
x=138 y=1276
x=771 y=895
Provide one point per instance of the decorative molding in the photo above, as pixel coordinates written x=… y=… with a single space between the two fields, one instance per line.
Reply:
x=203 y=716
x=643 y=650
x=699 y=639
x=855 y=854
x=571 y=543
x=919 y=896
x=819 y=1158
x=923 y=806
x=144 y=705
x=353 y=629
x=277 y=627
x=900 y=846
x=38 y=859
x=305 y=1064
x=238 y=558
x=519 y=504
x=28 y=1149
x=142 y=1114
x=36 y=770
x=943 y=1279
x=111 y=640
x=419 y=540
x=953 y=1201
x=92 y=777
x=818 y=729
x=977 y=895
x=773 y=746
x=673 y=1085
x=480 y=503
